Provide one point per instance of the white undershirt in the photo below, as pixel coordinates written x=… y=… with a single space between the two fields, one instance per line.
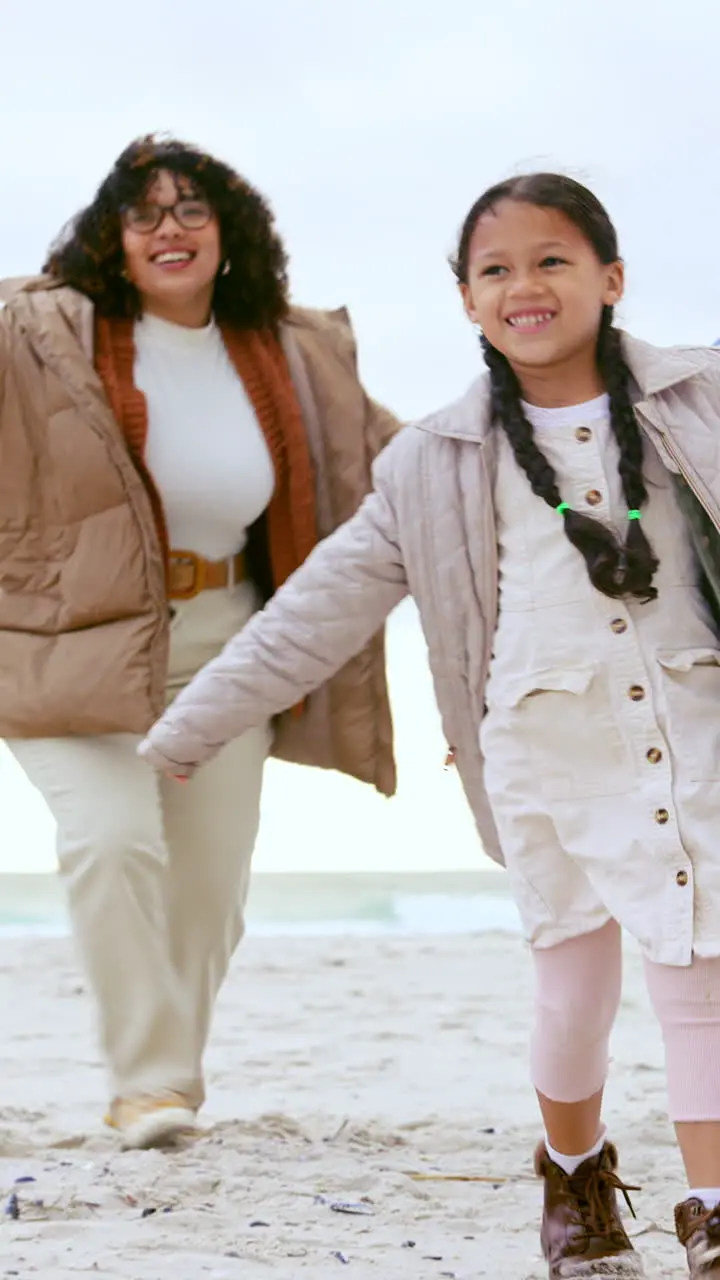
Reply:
x=597 y=410
x=205 y=449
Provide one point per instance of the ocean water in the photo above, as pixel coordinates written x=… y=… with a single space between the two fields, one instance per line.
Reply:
x=311 y=905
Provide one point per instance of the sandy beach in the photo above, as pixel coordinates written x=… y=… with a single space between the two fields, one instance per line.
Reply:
x=339 y=1069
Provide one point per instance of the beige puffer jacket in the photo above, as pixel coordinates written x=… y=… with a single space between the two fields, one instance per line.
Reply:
x=429 y=528
x=83 y=611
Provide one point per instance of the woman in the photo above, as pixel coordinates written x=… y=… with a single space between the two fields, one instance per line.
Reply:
x=174 y=440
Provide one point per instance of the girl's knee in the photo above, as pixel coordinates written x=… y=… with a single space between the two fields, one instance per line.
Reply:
x=578 y=986
x=575 y=1021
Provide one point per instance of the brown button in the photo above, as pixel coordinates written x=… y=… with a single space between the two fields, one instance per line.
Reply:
x=619 y=626
x=636 y=693
x=662 y=816
x=682 y=878
x=654 y=755
x=583 y=434
x=593 y=498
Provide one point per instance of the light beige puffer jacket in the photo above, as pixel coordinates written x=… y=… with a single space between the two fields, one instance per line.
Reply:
x=84 y=620
x=429 y=528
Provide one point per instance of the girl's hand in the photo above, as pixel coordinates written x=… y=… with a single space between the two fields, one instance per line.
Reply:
x=165 y=764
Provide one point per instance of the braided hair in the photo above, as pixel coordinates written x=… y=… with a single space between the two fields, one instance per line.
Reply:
x=616 y=568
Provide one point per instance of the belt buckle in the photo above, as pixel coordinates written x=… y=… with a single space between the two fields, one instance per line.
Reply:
x=197 y=564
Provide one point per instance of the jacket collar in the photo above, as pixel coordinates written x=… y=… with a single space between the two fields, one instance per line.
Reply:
x=657 y=369
x=653 y=370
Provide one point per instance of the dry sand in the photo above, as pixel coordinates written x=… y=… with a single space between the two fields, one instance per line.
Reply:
x=338 y=1068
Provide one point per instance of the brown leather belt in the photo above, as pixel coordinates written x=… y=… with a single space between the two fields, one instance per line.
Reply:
x=189 y=574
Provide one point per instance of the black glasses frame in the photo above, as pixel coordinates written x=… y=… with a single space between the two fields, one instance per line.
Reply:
x=161 y=210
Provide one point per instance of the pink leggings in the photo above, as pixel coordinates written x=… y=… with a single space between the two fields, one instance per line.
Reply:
x=578 y=988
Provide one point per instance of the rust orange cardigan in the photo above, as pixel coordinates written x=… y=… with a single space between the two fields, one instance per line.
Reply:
x=260 y=361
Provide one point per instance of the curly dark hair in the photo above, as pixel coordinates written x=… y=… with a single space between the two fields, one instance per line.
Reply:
x=88 y=254
x=615 y=568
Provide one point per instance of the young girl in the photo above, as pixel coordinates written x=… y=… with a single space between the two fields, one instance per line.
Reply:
x=559 y=528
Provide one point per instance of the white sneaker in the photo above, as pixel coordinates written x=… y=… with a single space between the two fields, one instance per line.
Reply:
x=146 y=1122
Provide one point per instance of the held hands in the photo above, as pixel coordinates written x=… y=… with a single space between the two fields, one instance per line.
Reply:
x=171 y=769
x=174 y=746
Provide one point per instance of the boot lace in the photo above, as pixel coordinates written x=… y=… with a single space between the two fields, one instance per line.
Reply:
x=593 y=1198
x=709 y=1221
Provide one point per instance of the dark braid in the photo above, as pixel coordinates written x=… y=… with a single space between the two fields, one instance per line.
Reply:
x=616 y=568
x=639 y=563
x=597 y=544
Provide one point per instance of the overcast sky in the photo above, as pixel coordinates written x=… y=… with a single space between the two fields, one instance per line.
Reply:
x=372 y=125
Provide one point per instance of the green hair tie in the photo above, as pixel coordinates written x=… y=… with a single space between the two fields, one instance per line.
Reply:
x=564 y=506
x=634 y=515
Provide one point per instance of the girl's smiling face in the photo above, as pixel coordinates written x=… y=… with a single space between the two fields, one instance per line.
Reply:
x=536 y=286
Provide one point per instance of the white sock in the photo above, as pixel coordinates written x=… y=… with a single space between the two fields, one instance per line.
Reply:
x=710 y=1196
x=570 y=1164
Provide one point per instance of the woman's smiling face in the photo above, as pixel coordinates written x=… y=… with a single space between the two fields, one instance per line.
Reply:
x=174 y=264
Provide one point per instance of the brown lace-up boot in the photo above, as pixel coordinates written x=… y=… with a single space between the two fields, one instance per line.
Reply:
x=698 y=1229
x=582 y=1232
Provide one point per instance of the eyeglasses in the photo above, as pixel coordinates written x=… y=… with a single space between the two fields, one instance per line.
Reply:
x=190 y=214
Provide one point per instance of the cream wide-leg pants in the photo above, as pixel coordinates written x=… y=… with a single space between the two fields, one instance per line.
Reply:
x=156 y=871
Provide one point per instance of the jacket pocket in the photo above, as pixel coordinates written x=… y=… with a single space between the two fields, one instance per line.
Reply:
x=565 y=724
x=691 y=681
x=515 y=690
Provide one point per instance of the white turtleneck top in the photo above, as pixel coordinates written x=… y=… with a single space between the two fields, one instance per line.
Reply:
x=205 y=448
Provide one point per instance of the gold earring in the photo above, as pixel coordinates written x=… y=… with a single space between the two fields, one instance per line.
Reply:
x=227 y=268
